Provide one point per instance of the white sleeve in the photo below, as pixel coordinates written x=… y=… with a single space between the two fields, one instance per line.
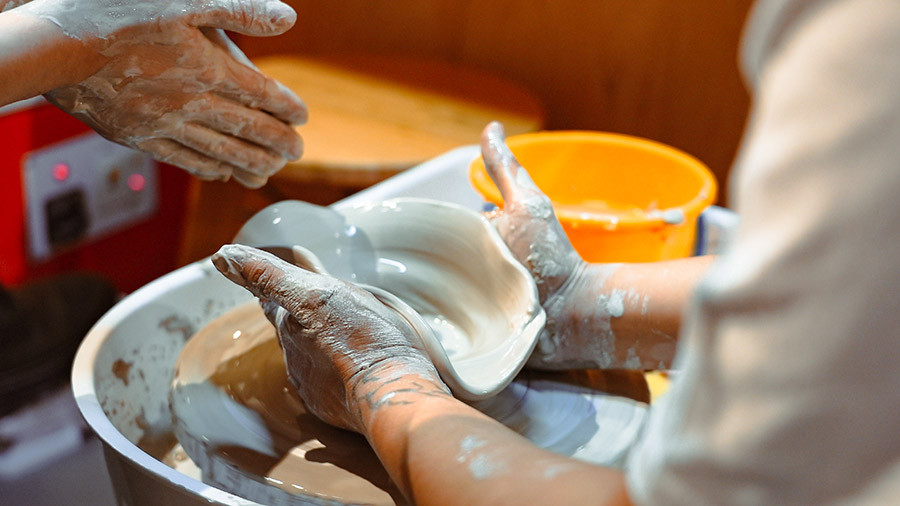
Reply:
x=789 y=390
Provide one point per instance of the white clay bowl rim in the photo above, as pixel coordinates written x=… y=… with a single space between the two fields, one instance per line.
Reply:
x=89 y=404
x=455 y=377
x=460 y=385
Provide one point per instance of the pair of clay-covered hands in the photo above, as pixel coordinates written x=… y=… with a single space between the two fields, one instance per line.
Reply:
x=334 y=334
x=172 y=84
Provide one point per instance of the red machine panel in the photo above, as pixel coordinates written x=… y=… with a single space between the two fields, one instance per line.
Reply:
x=130 y=256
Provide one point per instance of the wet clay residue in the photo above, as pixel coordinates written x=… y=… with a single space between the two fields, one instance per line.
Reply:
x=157 y=445
x=155 y=442
x=176 y=323
x=120 y=369
x=239 y=355
x=309 y=442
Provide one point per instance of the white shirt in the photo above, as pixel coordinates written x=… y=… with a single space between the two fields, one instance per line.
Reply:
x=789 y=390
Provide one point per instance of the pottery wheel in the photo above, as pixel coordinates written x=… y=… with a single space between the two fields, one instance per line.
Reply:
x=237 y=416
x=239 y=419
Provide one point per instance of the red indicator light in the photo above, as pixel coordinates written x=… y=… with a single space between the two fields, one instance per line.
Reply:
x=136 y=182
x=60 y=172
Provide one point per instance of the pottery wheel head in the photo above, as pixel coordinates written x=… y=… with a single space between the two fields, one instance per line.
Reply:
x=238 y=417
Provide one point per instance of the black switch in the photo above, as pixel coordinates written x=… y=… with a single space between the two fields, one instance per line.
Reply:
x=67 y=218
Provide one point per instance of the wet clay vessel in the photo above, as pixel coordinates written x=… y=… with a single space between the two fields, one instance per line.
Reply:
x=479 y=305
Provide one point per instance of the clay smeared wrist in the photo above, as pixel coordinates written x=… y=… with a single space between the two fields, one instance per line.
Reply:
x=578 y=333
x=398 y=381
x=575 y=270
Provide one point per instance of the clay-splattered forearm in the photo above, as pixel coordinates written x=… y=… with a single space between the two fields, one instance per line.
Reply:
x=619 y=316
x=442 y=451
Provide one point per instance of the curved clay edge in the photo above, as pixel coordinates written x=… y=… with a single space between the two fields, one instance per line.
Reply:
x=461 y=387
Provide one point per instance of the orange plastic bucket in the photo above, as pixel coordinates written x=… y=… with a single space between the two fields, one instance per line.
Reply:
x=619 y=198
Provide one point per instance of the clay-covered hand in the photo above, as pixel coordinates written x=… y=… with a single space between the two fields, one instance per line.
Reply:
x=175 y=87
x=342 y=346
x=527 y=222
x=569 y=288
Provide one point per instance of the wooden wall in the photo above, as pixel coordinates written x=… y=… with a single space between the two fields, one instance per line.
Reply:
x=663 y=69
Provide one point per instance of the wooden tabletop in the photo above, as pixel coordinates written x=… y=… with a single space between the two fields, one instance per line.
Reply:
x=373 y=116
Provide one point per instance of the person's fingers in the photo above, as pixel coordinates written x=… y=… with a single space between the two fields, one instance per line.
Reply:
x=254 y=89
x=493 y=215
x=268 y=277
x=249 y=179
x=287 y=327
x=511 y=179
x=276 y=314
x=252 y=125
x=218 y=37
x=251 y=17
x=499 y=219
x=499 y=161
x=249 y=157
x=198 y=164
